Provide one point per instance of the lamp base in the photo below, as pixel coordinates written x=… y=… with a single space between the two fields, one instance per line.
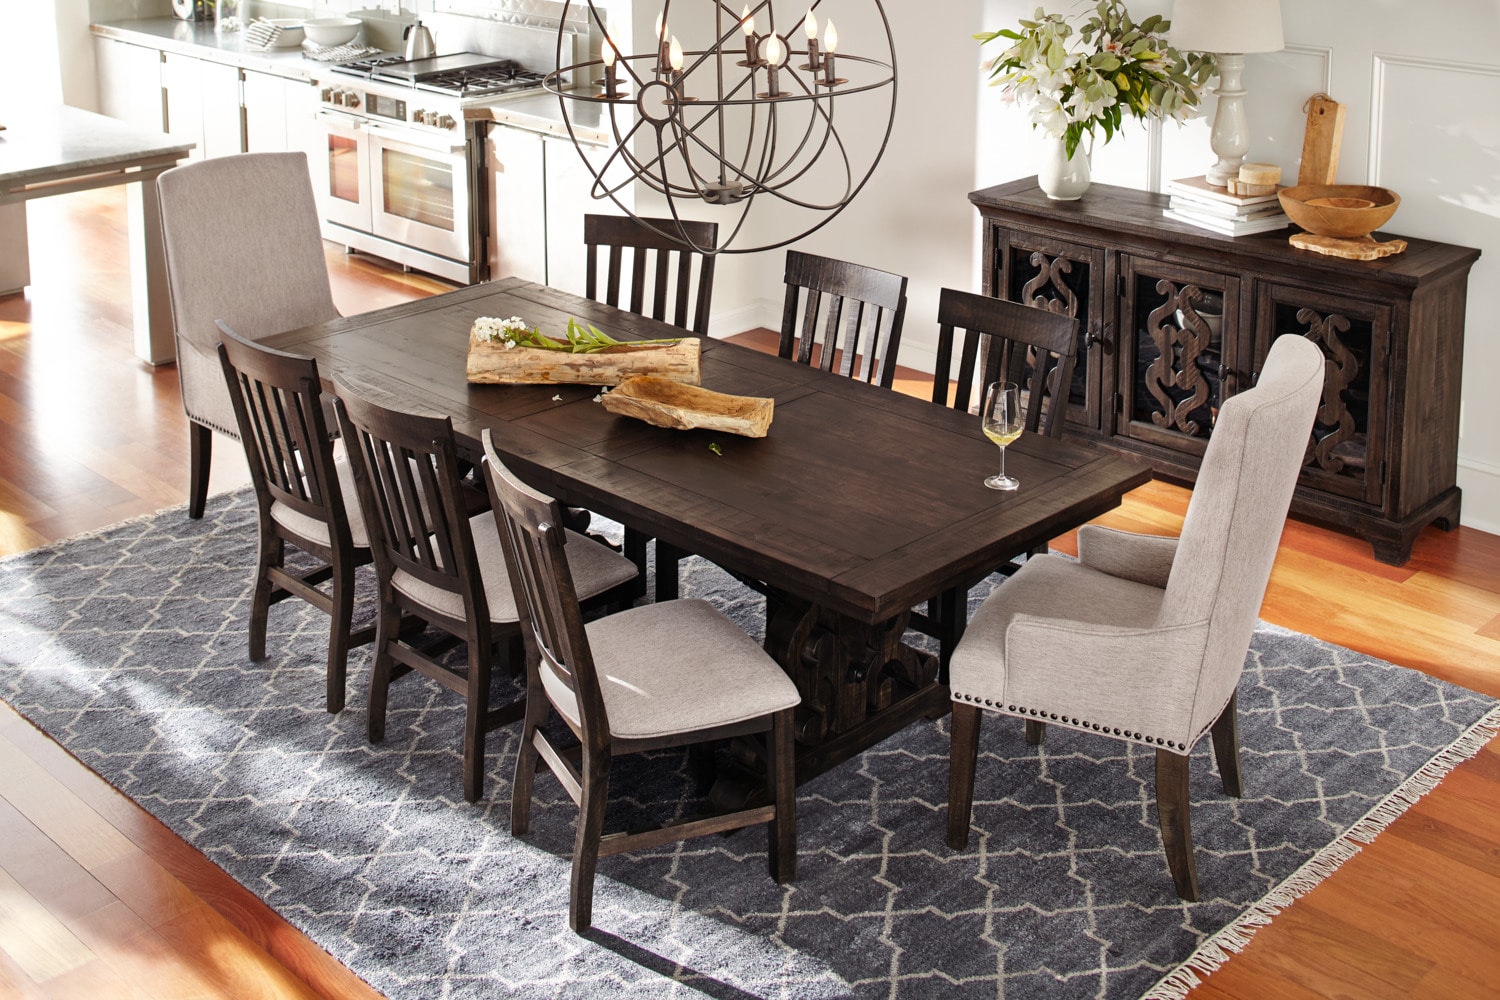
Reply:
x=1221 y=173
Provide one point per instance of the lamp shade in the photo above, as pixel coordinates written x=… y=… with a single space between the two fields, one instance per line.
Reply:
x=1226 y=26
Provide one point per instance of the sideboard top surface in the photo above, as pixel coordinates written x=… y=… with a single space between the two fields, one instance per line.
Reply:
x=1112 y=210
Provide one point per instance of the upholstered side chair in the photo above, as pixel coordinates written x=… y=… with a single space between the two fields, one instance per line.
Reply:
x=661 y=675
x=304 y=494
x=671 y=265
x=243 y=246
x=439 y=561
x=1144 y=638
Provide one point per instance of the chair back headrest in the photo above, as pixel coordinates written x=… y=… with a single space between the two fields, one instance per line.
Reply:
x=243 y=245
x=1240 y=501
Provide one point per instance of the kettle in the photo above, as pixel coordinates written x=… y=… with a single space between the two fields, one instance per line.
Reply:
x=418 y=42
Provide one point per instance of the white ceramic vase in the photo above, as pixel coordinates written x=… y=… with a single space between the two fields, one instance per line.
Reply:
x=1060 y=178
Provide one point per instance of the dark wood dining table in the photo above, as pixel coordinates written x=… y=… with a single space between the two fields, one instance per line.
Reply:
x=859 y=504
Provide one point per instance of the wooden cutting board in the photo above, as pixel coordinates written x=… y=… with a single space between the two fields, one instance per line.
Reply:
x=1320 y=143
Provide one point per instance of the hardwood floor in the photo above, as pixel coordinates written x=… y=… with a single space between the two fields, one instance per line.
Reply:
x=98 y=899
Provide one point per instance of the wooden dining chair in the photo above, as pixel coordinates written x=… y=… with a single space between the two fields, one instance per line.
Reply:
x=673 y=277
x=1003 y=340
x=439 y=561
x=1143 y=638
x=242 y=245
x=660 y=675
x=304 y=494
x=838 y=313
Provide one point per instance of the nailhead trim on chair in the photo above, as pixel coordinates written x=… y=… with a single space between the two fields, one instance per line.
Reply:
x=1080 y=723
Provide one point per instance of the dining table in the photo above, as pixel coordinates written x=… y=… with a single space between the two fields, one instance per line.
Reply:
x=859 y=505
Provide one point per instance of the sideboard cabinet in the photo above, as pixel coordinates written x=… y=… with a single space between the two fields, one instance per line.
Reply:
x=1174 y=320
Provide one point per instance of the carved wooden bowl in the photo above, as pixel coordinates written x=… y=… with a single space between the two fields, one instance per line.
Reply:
x=1343 y=210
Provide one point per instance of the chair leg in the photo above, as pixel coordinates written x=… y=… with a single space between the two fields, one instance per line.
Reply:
x=1036 y=732
x=475 y=712
x=586 y=843
x=1176 y=826
x=781 y=783
x=200 y=449
x=387 y=631
x=272 y=553
x=963 y=755
x=338 y=634
x=527 y=758
x=1226 y=737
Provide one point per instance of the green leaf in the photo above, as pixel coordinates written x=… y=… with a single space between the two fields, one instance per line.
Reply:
x=713 y=446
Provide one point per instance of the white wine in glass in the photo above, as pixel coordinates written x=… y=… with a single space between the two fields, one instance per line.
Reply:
x=1003 y=423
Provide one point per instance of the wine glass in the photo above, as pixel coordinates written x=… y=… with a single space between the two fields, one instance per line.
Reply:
x=1003 y=423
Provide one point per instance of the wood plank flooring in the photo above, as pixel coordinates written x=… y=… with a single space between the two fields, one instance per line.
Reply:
x=99 y=900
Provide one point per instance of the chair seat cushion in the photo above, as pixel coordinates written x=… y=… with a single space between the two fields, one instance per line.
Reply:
x=678 y=667
x=596 y=568
x=311 y=528
x=1048 y=587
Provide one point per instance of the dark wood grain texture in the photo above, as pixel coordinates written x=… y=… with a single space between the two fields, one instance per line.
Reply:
x=671 y=262
x=842 y=316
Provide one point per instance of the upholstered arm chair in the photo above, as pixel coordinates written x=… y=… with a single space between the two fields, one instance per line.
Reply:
x=1144 y=638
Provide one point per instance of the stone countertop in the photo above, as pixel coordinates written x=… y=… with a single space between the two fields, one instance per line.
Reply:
x=39 y=145
x=198 y=39
x=543 y=113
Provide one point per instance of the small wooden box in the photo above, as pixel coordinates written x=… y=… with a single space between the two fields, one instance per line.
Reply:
x=495 y=363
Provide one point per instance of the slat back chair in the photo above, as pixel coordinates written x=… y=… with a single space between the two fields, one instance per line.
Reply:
x=672 y=274
x=406 y=469
x=1031 y=347
x=661 y=675
x=254 y=260
x=303 y=494
x=862 y=310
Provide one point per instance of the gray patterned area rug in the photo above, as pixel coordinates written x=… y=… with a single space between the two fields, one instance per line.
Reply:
x=128 y=647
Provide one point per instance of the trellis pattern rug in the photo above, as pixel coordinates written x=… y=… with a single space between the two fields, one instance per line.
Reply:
x=128 y=646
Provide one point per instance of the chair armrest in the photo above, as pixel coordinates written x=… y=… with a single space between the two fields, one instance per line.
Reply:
x=1141 y=558
x=1139 y=680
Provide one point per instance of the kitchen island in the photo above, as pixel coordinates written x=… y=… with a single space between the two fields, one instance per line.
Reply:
x=56 y=150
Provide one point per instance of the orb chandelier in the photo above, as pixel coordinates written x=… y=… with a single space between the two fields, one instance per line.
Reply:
x=746 y=106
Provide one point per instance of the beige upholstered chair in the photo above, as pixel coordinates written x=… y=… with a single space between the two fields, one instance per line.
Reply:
x=661 y=675
x=1144 y=637
x=304 y=493
x=439 y=560
x=242 y=246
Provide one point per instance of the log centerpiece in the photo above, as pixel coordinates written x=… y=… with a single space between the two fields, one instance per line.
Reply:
x=589 y=358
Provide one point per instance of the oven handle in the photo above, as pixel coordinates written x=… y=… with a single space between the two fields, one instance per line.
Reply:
x=414 y=138
x=345 y=121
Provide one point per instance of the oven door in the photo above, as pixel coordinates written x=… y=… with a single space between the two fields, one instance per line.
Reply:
x=343 y=189
x=421 y=190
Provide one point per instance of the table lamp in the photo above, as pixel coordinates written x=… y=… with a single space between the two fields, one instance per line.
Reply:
x=1228 y=29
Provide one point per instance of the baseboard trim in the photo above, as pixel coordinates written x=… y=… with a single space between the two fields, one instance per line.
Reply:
x=1480 y=482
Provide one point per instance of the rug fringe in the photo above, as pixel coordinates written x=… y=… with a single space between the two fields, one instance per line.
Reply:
x=1233 y=937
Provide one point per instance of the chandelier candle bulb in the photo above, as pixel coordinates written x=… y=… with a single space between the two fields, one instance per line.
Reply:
x=752 y=40
x=830 y=42
x=663 y=48
x=811 y=27
x=611 y=91
x=775 y=53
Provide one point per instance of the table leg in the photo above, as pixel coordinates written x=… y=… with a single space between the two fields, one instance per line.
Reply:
x=15 y=255
x=150 y=299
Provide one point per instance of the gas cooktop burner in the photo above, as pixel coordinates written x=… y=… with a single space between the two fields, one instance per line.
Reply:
x=463 y=74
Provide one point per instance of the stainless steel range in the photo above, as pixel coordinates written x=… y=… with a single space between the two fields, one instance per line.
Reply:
x=404 y=176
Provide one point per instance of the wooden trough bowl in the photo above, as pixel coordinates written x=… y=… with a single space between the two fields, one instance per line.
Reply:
x=665 y=403
x=1342 y=210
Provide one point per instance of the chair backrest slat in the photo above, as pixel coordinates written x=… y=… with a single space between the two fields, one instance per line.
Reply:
x=648 y=240
x=862 y=310
x=1034 y=348
x=531 y=531
x=278 y=407
x=406 y=468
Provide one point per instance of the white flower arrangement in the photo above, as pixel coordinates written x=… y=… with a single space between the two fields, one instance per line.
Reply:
x=500 y=331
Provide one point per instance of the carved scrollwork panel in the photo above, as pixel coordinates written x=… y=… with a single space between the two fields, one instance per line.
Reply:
x=1341 y=368
x=1052 y=273
x=1178 y=349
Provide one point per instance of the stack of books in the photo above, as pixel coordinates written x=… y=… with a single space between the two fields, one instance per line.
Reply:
x=1195 y=202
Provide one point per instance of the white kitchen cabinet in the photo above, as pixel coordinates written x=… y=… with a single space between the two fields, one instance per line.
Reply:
x=518 y=206
x=265 y=103
x=569 y=183
x=202 y=104
x=129 y=79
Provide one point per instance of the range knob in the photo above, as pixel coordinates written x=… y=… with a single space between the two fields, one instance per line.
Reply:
x=327 y=95
x=429 y=118
x=446 y=121
x=351 y=99
x=338 y=97
x=418 y=117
